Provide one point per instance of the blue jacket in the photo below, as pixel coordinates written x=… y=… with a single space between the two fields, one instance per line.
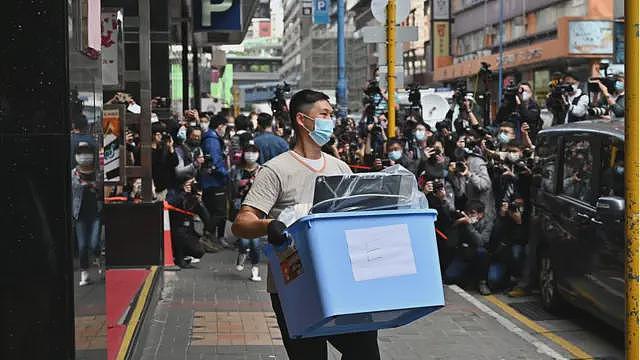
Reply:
x=270 y=146
x=213 y=145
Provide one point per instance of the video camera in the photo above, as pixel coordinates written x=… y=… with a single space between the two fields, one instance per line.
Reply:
x=609 y=82
x=511 y=91
x=415 y=98
x=278 y=102
x=373 y=88
x=460 y=92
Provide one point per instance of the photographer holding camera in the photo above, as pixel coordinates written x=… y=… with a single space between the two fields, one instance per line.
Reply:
x=470 y=179
x=473 y=229
x=513 y=177
x=611 y=99
x=575 y=100
x=520 y=107
x=188 y=164
x=185 y=241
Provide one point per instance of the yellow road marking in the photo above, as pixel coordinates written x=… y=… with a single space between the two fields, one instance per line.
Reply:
x=137 y=313
x=571 y=348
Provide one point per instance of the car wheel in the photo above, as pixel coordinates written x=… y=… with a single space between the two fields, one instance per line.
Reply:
x=549 y=293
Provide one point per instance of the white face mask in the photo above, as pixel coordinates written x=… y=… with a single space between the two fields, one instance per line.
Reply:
x=473 y=219
x=204 y=126
x=84 y=159
x=251 y=157
x=526 y=96
x=513 y=157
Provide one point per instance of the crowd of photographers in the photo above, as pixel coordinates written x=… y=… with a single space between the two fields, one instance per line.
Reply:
x=476 y=170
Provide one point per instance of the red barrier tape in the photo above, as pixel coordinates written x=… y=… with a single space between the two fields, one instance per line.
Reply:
x=170 y=207
x=115 y=199
x=442 y=235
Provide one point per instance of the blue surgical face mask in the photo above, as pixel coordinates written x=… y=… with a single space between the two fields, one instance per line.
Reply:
x=619 y=86
x=503 y=138
x=182 y=134
x=322 y=131
x=620 y=170
x=395 y=155
x=421 y=135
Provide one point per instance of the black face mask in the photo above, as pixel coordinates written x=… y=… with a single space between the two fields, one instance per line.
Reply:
x=193 y=143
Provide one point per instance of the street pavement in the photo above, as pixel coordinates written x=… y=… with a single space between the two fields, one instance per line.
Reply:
x=216 y=312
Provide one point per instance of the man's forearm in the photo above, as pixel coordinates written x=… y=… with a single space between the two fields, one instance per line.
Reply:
x=249 y=226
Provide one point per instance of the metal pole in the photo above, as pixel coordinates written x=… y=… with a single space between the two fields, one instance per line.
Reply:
x=501 y=44
x=632 y=175
x=341 y=88
x=185 y=57
x=196 y=75
x=391 y=66
x=144 y=14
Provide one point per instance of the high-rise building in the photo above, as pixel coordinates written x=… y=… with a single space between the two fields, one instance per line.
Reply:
x=310 y=53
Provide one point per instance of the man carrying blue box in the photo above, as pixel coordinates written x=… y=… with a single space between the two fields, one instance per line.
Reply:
x=289 y=180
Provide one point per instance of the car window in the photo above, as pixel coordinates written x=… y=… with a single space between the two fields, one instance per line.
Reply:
x=546 y=154
x=578 y=169
x=612 y=167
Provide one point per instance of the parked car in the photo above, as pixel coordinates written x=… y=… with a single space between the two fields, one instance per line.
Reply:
x=578 y=212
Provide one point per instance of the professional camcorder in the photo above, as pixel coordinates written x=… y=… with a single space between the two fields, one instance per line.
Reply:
x=278 y=102
x=414 y=95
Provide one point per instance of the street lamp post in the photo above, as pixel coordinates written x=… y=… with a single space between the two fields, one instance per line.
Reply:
x=391 y=66
x=632 y=175
x=341 y=88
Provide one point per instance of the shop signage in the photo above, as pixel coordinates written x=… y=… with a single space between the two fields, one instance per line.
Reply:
x=216 y=15
x=520 y=57
x=441 y=9
x=590 y=37
x=112 y=49
x=441 y=38
x=321 y=12
x=112 y=125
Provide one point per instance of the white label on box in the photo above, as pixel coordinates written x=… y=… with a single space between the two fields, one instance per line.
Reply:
x=380 y=252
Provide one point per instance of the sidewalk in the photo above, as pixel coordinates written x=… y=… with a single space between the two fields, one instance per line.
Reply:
x=215 y=312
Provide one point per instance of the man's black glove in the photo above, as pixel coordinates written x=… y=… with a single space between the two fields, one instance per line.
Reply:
x=275 y=233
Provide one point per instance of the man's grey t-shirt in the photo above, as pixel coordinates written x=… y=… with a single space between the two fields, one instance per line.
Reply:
x=285 y=181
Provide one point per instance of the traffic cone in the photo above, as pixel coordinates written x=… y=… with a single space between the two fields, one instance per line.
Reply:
x=169 y=265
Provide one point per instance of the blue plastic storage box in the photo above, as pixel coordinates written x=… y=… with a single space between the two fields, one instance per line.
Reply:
x=357 y=271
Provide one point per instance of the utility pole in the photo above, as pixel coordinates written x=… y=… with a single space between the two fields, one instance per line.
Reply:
x=341 y=88
x=631 y=176
x=501 y=44
x=391 y=66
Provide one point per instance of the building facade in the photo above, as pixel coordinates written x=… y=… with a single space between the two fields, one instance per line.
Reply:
x=540 y=37
x=310 y=53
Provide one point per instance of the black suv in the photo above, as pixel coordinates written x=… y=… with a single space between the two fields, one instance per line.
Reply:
x=578 y=217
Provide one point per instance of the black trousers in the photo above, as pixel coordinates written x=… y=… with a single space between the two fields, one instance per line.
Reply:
x=185 y=242
x=215 y=200
x=356 y=346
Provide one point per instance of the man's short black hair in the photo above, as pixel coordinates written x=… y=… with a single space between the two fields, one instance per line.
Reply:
x=265 y=120
x=508 y=124
x=474 y=205
x=394 y=141
x=218 y=120
x=191 y=129
x=526 y=83
x=80 y=122
x=302 y=101
x=243 y=123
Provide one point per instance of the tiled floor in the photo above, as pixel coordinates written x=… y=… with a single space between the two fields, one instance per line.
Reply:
x=235 y=328
x=91 y=332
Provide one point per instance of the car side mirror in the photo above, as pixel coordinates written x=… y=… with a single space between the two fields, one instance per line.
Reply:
x=611 y=207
